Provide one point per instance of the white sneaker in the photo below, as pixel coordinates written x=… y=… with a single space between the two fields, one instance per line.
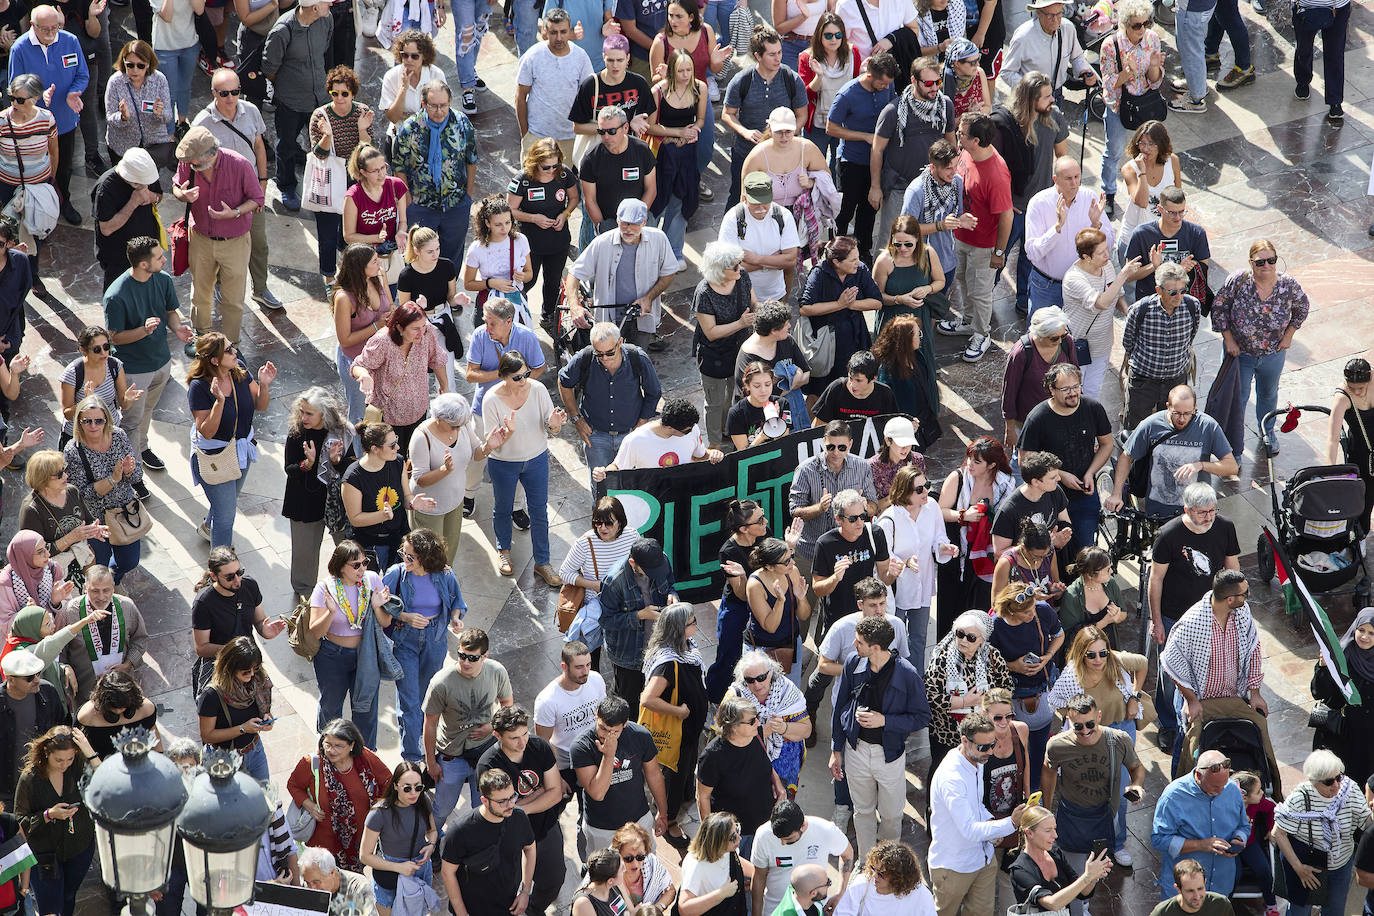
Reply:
x=713 y=90
x=977 y=346
x=952 y=327
x=1123 y=858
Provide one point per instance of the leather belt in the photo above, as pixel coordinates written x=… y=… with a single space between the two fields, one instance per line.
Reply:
x=797 y=35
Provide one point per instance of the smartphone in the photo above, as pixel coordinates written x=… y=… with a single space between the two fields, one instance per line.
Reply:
x=267 y=721
x=1034 y=799
x=1099 y=847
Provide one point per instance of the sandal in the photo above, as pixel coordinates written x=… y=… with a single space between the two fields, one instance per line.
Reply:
x=504 y=567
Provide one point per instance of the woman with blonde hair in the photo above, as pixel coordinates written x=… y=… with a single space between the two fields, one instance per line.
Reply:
x=891 y=883
x=1006 y=775
x=712 y=873
x=1026 y=631
x=374 y=210
x=431 y=281
x=680 y=123
x=1132 y=61
x=543 y=197
x=103 y=468
x=1043 y=870
x=54 y=508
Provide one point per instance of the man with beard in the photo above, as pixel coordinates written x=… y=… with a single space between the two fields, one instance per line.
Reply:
x=489 y=856
x=907 y=129
x=227 y=604
x=936 y=199
x=566 y=707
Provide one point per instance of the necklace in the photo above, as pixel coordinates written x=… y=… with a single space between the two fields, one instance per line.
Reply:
x=1092 y=588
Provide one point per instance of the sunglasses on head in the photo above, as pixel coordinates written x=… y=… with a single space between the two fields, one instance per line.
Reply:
x=227 y=93
x=635 y=858
x=1105 y=653
x=1084 y=726
x=862 y=516
x=1217 y=767
x=469 y=657
x=1261 y=262
x=756 y=678
x=836 y=447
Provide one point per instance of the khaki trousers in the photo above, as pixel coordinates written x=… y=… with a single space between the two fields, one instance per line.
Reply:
x=225 y=262
x=969 y=893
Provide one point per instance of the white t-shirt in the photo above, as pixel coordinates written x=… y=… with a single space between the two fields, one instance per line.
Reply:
x=819 y=841
x=644 y=448
x=553 y=83
x=761 y=236
x=392 y=81
x=839 y=644
x=569 y=713
x=494 y=260
x=703 y=877
x=861 y=900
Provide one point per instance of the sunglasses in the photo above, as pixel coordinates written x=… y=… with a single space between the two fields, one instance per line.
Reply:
x=1217 y=767
x=929 y=83
x=984 y=748
x=903 y=244
x=408 y=557
x=407 y=55
x=548 y=168
x=1085 y=727
x=606 y=354
x=135 y=65
x=608 y=131
x=753 y=721
x=1142 y=25
x=410 y=787
x=1330 y=782
x=1009 y=717
x=1105 y=653
x=20 y=100
x=832 y=35
x=100 y=348
x=920 y=488
x=520 y=376
x=757 y=678
x=228 y=93
x=340 y=93
x=855 y=518
x=469 y=657
x=1261 y=262
x=357 y=564
x=969 y=637
x=92 y=421
x=636 y=858
x=836 y=447
x=236 y=574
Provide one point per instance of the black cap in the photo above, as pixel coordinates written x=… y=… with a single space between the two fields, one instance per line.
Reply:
x=649 y=557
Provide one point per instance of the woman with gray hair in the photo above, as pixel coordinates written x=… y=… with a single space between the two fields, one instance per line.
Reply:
x=735 y=774
x=440 y=452
x=675 y=695
x=783 y=720
x=962 y=668
x=32 y=134
x=1317 y=823
x=724 y=305
x=316 y=429
x=1023 y=382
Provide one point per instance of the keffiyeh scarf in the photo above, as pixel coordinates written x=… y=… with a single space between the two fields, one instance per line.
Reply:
x=909 y=106
x=668 y=654
x=938 y=199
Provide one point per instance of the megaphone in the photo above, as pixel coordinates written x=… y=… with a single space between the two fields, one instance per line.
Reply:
x=773 y=424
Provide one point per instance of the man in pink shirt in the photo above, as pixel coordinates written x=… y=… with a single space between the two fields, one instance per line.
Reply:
x=223 y=192
x=980 y=244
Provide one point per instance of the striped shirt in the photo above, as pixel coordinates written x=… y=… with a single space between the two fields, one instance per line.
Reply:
x=1354 y=814
x=813 y=479
x=32 y=140
x=1156 y=342
x=609 y=555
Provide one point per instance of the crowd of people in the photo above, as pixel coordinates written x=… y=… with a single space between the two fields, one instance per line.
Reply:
x=913 y=152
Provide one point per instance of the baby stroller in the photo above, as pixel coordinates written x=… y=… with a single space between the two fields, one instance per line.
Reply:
x=1241 y=741
x=1317 y=519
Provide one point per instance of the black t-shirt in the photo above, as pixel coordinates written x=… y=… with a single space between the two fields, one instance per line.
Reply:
x=731 y=550
x=379 y=489
x=877 y=686
x=489 y=858
x=837 y=402
x=527 y=776
x=1192 y=560
x=433 y=285
x=864 y=554
x=624 y=800
x=226 y=616
x=1007 y=522
x=741 y=781
x=1071 y=439
x=209 y=705
x=1364 y=861
x=1026 y=875
x=619 y=177
x=632 y=94
x=546 y=198
x=744 y=419
x=690 y=683
x=111 y=194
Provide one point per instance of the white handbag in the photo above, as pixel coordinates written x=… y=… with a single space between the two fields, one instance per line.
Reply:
x=1030 y=909
x=325 y=183
x=298 y=820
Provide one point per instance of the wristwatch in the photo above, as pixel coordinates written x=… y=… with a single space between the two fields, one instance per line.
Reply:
x=998 y=252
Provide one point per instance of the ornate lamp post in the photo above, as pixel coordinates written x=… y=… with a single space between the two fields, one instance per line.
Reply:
x=222 y=826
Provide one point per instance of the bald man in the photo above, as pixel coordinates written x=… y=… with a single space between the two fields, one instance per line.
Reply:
x=1054 y=217
x=809 y=887
x=1201 y=816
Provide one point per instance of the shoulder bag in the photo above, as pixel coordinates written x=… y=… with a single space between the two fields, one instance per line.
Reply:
x=1286 y=882
x=223 y=466
x=298 y=820
x=1081 y=349
x=1135 y=110
x=75 y=558
x=325 y=180
x=572 y=597
x=1030 y=909
x=128 y=523
x=34 y=207
x=666 y=730
x=818 y=344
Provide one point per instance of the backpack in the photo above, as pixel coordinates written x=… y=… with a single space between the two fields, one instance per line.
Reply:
x=746 y=79
x=632 y=354
x=774 y=210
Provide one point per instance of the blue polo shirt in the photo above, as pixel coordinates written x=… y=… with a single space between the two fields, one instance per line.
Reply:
x=485 y=353
x=61 y=65
x=856 y=108
x=614 y=403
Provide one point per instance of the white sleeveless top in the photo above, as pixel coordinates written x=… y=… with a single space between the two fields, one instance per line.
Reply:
x=1135 y=215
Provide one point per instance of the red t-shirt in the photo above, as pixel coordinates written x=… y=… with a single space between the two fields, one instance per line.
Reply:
x=987 y=194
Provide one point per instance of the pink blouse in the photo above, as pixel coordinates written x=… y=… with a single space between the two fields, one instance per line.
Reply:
x=401 y=383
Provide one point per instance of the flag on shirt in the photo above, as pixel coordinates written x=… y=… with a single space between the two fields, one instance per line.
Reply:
x=1301 y=605
x=15 y=857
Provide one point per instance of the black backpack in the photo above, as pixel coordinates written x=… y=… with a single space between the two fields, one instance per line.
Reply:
x=1138 y=478
x=746 y=79
x=632 y=353
x=774 y=210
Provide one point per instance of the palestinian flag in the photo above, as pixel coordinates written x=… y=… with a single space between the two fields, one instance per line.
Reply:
x=15 y=856
x=1302 y=606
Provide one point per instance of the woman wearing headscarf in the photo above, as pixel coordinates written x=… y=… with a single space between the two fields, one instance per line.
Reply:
x=673 y=670
x=1347 y=734
x=30 y=577
x=34 y=628
x=962 y=668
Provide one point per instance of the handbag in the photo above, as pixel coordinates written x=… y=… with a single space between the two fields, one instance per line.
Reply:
x=179 y=243
x=325 y=182
x=1324 y=718
x=298 y=635
x=515 y=297
x=1030 y=909
x=128 y=523
x=34 y=208
x=298 y=820
x=666 y=730
x=1081 y=349
x=223 y=466
x=817 y=344
x=653 y=140
x=572 y=597
x=1288 y=885
x=1135 y=110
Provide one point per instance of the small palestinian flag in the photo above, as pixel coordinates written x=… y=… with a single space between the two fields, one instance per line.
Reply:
x=15 y=856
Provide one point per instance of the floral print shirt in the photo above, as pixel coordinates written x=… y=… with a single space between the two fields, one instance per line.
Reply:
x=884 y=471
x=400 y=383
x=459 y=148
x=1110 y=61
x=1258 y=325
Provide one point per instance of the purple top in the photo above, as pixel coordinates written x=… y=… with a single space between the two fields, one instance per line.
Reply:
x=1023 y=383
x=1258 y=325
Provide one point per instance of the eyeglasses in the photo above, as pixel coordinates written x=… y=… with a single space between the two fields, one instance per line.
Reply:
x=1070 y=389
x=984 y=748
x=1183 y=414
x=761 y=520
x=820 y=887
x=903 y=244
x=408 y=55
x=100 y=348
x=836 y=447
x=606 y=354
x=508 y=800
x=757 y=678
x=832 y=35
x=135 y=65
x=340 y=93
x=1008 y=717
x=410 y=787
x=92 y=421
x=608 y=131
x=1084 y=727
x=1261 y=262
x=1173 y=214
x=394 y=443
x=854 y=518
x=469 y=657
x=1216 y=767
x=1105 y=653
x=635 y=858
x=968 y=637
x=929 y=83
x=227 y=93
x=236 y=574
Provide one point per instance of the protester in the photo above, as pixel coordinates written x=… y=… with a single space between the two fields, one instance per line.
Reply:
x=49 y=793
x=399 y=835
x=378 y=479
x=236 y=707
x=673 y=670
x=374 y=207
x=319 y=448
x=103 y=468
x=967 y=498
x=29 y=706
x=784 y=720
x=1092 y=290
x=138 y=89
x=1202 y=801
x=713 y=879
x=645 y=881
x=1132 y=61
x=620 y=392
x=825 y=66
x=52 y=64
x=963 y=669
x=36 y=630
x=1042 y=876
x=542 y=197
x=337 y=786
x=103 y=374
x=723 y=303
x=228 y=604
x=838 y=291
x=1093 y=598
x=631 y=594
x=892 y=878
x=117 y=703
x=608 y=544
x=442 y=450
x=1357 y=644
x=436 y=157
x=109 y=633
x=898 y=451
x=54 y=508
x=615 y=762
x=393 y=370
x=778 y=607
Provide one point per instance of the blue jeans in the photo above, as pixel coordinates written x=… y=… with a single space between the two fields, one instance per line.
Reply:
x=1111 y=156
x=179 y=67
x=1023 y=271
x=455 y=772
x=1190 y=29
x=1256 y=857
x=1227 y=21
x=255 y=763
x=674 y=225
x=791 y=50
x=917 y=622
x=421 y=653
x=1264 y=371
x=731 y=620
x=289 y=124
x=328 y=238
x=717 y=16
x=1043 y=290
x=387 y=898
x=58 y=893
x=124 y=558
x=469 y=16
x=1338 y=882
x=534 y=474
x=174 y=894
x=451 y=224
x=602 y=449
x=1333 y=57
x=526 y=21
x=1083 y=515
x=354 y=397
x=224 y=501
x=334 y=670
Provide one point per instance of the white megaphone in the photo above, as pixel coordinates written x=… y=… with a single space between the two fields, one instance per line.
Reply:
x=773 y=424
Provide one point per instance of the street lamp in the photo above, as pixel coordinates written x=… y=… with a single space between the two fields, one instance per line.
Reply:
x=221 y=828
x=135 y=798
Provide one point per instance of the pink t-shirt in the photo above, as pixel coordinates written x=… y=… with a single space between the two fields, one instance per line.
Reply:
x=374 y=215
x=325 y=596
x=363 y=317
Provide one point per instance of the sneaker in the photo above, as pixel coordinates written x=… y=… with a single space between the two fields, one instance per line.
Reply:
x=227 y=62
x=954 y=327
x=204 y=529
x=469 y=102
x=1236 y=78
x=657 y=343
x=520 y=519
x=480 y=84
x=978 y=345
x=1111 y=207
x=705 y=193
x=1123 y=858
x=469 y=506
x=713 y=91
x=328 y=282
x=151 y=461
x=1186 y=105
x=268 y=299
x=1302 y=93
x=1178 y=84
x=141 y=491
x=291 y=200
x=1271 y=910
x=70 y=214
x=205 y=64
x=1212 y=62
x=1336 y=115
